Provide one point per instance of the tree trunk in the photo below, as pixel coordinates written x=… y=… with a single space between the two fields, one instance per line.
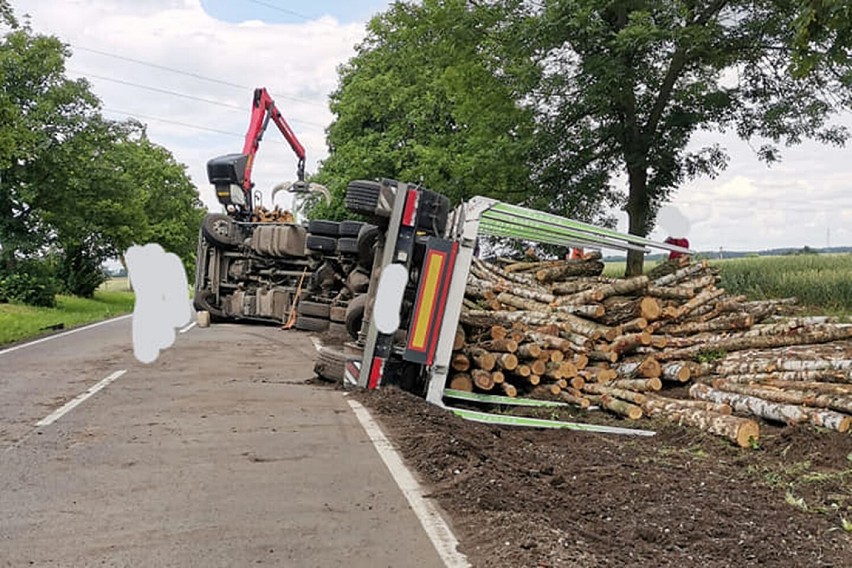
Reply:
x=638 y=204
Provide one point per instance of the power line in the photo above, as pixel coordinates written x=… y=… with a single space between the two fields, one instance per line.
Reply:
x=175 y=122
x=182 y=95
x=283 y=10
x=189 y=74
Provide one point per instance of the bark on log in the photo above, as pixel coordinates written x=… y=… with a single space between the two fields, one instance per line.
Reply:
x=682 y=292
x=459 y=339
x=626 y=395
x=732 y=322
x=618 y=287
x=647 y=368
x=625 y=343
x=836 y=402
x=570 y=269
x=661 y=277
x=626 y=409
x=529 y=350
x=621 y=309
x=522 y=371
x=578 y=285
x=509 y=390
x=550 y=341
x=508 y=299
x=778 y=412
x=814 y=336
x=498 y=332
x=741 y=431
x=676 y=371
x=498 y=377
x=571 y=398
x=634 y=325
x=638 y=385
x=502 y=345
x=791 y=376
x=591 y=310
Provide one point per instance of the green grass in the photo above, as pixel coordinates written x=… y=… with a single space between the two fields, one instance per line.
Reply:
x=18 y=322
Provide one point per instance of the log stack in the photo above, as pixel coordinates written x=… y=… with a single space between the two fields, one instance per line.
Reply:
x=559 y=329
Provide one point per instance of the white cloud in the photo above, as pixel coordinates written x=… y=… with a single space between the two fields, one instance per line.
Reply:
x=749 y=206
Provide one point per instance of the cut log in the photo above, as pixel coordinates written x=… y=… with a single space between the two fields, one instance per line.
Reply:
x=726 y=323
x=602 y=291
x=620 y=407
x=502 y=345
x=705 y=296
x=571 y=398
x=509 y=390
x=529 y=350
x=538 y=367
x=574 y=286
x=580 y=360
x=639 y=385
x=462 y=382
x=481 y=358
x=507 y=361
x=791 y=376
x=625 y=343
x=784 y=413
x=550 y=341
x=482 y=379
x=676 y=371
x=634 y=325
x=683 y=292
x=459 y=339
x=569 y=269
x=666 y=275
x=626 y=395
x=607 y=356
x=840 y=403
x=498 y=332
x=508 y=299
x=622 y=309
x=592 y=311
x=460 y=362
x=556 y=356
x=522 y=371
x=742 y=431
x=647 y=368
x=498 y=377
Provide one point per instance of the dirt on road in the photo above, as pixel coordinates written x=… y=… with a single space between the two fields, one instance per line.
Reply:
x=527 y=497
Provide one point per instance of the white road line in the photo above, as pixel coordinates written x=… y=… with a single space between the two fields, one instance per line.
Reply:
x=436 y=528
x=187 y=328
x=64 y=333
x=70 y=405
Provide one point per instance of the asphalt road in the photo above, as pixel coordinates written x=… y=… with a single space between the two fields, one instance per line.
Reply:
x=217 y=454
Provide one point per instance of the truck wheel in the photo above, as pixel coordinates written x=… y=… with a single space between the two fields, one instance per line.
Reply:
x=350 y=228
x=313 y=309
x=347 y=246
x=330 y=364
x=355 y=315
x=325 y=245
x=324 y=228
x=362 y=196
x=221 y=230
x=367 y=238
x=306 y=323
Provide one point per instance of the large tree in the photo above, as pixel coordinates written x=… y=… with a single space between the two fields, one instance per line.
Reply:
x=432 y=94
x=74 y=185
x=628 y=82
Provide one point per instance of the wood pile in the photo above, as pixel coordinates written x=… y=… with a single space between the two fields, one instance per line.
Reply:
x=276 y=215
x=558 y=329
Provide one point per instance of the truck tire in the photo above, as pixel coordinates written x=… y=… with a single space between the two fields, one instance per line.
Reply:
x=350 y=228
x=362 y=196
x=313 y=309
x=306 y=323
x=347 y=246
x=355 y=315
x=221 y=230
x=330 y=364
x=367 y=237
x=325 y=245
x=324 y=228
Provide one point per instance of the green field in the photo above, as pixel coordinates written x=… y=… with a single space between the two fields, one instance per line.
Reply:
x=821 y=282
x=19 y=322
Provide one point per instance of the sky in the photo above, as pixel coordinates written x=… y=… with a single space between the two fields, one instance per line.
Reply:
x=187 y=68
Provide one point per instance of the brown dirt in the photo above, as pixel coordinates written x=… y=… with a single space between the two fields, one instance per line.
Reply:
x=526 y=497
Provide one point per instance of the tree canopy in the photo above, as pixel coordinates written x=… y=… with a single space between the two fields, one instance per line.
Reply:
x=76 y=188
x=430 y=95
x=578 y=106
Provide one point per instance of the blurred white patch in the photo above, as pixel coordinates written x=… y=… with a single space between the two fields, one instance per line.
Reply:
x=673 y=222
x=162 y=299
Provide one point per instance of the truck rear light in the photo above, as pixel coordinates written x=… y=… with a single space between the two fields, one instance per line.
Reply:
x=409 y=214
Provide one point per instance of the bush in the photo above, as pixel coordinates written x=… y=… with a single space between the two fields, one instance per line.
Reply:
x=80 y=273
x=29 y=282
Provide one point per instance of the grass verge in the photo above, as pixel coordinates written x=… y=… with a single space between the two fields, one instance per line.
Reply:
x=18 y=322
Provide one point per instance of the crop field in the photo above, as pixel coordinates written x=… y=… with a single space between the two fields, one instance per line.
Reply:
x=821 y=282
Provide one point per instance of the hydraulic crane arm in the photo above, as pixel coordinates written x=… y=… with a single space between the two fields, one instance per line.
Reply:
x=263 y=110
x=231 y=174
